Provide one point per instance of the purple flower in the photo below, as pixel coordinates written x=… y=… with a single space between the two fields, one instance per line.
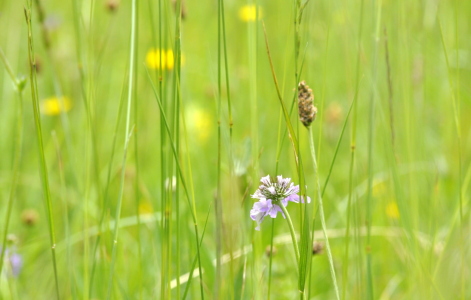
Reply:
x=270 y=195
x=13 y=260
x=16 y=262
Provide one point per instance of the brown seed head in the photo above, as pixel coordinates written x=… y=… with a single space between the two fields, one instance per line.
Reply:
x=307 y=110
x=112 y=5
x=269 y=252
x=317 y=248
x=29 y=217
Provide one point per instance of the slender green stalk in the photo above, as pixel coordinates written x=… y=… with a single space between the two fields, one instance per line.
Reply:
x=136 y=162
x=371 y=130
x=163 y=159
x=252 y=33
x=65 y=217
x=455 y=94
x=456 y=116
x=352 y=156
x=222 y=35
x=226 y=67
x=106 y=198
x=253 y=100
x=18 y=150
x=321 y=213
x=292 y=135
x=191 y=200
x=291 y=231
x=126 y=143
x=42 y=159
x=177 y=113
x=196 y=259
x=322 y=102
x=217 y=200
x=51 y=62
x=347 y=231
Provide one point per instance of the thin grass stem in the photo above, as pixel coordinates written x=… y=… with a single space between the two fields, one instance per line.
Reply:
x=127 y=136
x=42 y=159
x=321 y=213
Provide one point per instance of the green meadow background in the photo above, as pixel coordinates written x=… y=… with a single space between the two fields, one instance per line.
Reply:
x=128 y=175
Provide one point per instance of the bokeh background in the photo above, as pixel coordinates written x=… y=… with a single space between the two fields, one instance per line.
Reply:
x=392 y=134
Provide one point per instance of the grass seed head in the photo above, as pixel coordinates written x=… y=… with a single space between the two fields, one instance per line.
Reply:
x=307 y=110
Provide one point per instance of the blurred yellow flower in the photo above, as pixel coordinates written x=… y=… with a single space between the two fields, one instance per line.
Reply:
x=53 y=106
x=154 y=56
x=201 y=123
x=392 y=211
x=248 y=13
x=145 y=207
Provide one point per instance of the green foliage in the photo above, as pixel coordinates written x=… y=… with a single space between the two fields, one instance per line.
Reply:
x=131 y=148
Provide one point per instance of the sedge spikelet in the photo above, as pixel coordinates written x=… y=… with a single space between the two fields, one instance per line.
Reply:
x=307 y=110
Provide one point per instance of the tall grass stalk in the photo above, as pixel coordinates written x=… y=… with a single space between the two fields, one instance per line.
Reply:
x=322 y=102
x=291 y=132
x=222 y=39
x=455 y=95
x=163 y=161
x=106 y=196
x=19 y=84
x=58 y=91
x=457 y=118
x=137 y=178
x=371 y=130
x=354 y=108
x=303 y=260
x=218 y=200
x=292 y=233
x=191 y=200
x=127 y=136
x=177 y=113
x=252 y=51
x=324 y=228
x=252 y=37
x=321 y=213
x=42 y=159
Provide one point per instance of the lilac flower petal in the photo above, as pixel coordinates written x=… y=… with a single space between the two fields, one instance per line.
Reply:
x=260 y=210
x=271 y=196
x=293 y=189
x=292 y=198
x=281 y=211
x=266 y=180
x=283 y=182
x=274 y=211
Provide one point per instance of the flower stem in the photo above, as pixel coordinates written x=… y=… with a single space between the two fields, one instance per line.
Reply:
x=321 y=212
x=291 y=229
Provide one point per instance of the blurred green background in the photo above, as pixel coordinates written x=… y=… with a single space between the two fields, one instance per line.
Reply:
x=401 y=168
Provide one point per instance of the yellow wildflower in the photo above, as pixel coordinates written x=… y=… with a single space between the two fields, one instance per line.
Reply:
x=392 y=211
x=145 y=207
x=248 y=13
x=53 y=106
x=201 y=122
x=169 y=60
x=154 y=56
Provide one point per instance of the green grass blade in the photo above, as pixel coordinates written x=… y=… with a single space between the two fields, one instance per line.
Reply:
x=42 y=159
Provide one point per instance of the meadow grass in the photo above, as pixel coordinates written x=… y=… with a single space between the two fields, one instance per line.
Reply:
x=133 y=134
